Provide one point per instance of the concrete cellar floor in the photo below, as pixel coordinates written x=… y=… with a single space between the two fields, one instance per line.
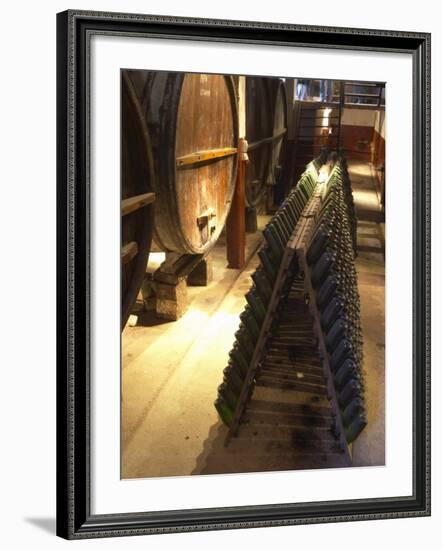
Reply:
x=171 y=370
x=369 y=448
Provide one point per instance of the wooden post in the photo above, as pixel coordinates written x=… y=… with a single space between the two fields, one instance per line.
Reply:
x=341 y=107
x=236 y=223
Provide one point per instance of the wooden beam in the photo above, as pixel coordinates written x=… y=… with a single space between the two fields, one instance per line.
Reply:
x=136 y=202
x=236 y=222
x=366 y=84
x=128 y=252
x=364 y=106
x=357 y=94
x=270 y=139
x=203 y=156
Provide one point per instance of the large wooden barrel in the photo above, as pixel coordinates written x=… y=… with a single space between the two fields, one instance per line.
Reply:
x=258 y=134
x=193 y=123
x=137 y=185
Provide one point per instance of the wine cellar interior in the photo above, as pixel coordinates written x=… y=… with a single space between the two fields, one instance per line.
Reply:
x=252 y=274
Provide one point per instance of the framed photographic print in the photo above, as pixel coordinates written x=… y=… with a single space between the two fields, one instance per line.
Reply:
x=243 y=274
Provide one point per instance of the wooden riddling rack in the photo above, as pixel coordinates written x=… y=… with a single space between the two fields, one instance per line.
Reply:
x=299 y=196
x=292 y=263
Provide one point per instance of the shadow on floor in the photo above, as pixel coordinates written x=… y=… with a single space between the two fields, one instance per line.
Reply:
x=367 y=215
x=45 y=524
x=257 y=449
x=147 y=318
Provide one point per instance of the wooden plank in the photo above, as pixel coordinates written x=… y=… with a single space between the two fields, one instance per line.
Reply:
x=128 y=252
x=202 y=156
x=292 y=371
x=365 y=84
x=292 y=375
x=314 y=125
x=357 y=94
x=283 y=384
x=364 y=106
x=136 y=202
x=309 y=105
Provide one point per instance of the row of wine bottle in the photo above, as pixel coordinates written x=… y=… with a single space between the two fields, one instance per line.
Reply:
x=331 y=257
x=276 y=234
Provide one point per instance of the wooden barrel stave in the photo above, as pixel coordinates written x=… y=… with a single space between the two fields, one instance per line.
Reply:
x=137 y=184
x=279 y=130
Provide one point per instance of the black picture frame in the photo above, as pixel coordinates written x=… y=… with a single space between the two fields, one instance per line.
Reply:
x=74 y=518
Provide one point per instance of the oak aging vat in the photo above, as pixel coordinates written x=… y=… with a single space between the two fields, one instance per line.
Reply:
x=193 y=123
x=258 y=135
x=137 y=184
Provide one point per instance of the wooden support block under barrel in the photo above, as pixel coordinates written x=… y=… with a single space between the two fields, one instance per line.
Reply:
x=171 y=300
x=202 y=275
x=176 y=267
x=170 y=286
x=148 y=293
